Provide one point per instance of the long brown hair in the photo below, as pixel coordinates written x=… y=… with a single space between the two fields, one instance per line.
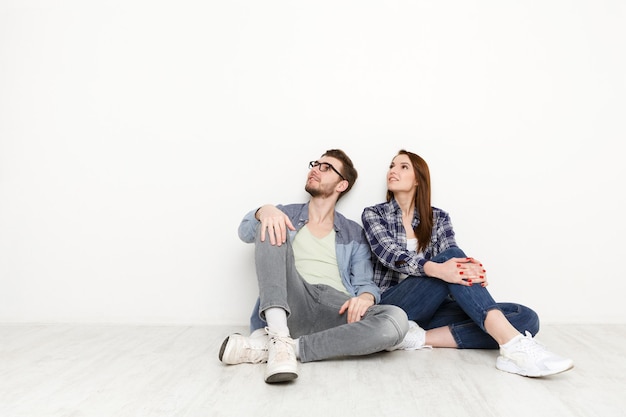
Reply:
x=424 y=229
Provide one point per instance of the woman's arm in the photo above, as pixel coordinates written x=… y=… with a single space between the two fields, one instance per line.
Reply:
x=382 y=238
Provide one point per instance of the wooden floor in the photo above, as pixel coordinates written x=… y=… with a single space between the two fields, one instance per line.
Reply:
x=117 y=371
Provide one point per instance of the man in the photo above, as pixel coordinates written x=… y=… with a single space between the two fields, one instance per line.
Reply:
x=316 y=289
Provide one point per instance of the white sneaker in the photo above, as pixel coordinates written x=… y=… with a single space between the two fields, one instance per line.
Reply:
x=525 y=356
x=245 y=349
x=282 y=364
x=414 y=339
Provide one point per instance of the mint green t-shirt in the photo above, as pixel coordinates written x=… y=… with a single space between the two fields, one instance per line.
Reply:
x=316 y=259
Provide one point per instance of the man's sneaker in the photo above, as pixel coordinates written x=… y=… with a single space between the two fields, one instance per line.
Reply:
x=525 y=356
x=282 y=364
x=414 y=339
x=245 y=349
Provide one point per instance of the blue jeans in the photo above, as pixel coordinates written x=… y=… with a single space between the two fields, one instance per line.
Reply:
x=433 y=303
x=313 y=310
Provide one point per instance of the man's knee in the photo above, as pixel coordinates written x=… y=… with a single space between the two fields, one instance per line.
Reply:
x=396 y=324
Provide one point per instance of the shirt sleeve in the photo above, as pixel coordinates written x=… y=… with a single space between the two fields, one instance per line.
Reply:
x=362 y=272
x=248 y=226
x=443 y=234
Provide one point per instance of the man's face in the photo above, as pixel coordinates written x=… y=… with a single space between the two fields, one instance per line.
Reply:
x=324 y=177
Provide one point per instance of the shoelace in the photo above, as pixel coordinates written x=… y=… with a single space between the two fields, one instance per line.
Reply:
x=531 y=346
x=286 y=352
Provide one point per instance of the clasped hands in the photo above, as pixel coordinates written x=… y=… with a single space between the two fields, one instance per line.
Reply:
x=462 y=271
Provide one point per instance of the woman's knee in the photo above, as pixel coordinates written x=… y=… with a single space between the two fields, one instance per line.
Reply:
x=523 y=318
x=532 y=320
x=447 y=254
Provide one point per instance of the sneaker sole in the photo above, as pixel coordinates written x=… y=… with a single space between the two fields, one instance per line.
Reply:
x=223 y=348
x=281 y=377
x=508 y=366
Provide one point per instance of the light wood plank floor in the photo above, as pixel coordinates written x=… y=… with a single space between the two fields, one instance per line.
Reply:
x=117 y=371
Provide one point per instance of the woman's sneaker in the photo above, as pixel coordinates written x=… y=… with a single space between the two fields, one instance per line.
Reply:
x=414 y=339
x=237 y=348
x=525 y=356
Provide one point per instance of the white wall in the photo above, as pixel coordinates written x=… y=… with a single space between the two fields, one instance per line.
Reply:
x=134 y=135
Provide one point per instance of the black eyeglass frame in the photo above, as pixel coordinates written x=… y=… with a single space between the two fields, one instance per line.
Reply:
x=314 y=164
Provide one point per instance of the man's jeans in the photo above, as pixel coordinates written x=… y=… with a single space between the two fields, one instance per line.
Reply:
x=433 y=303
x=313 y=310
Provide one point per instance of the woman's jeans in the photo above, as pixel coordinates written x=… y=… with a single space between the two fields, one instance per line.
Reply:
x=313 y=310
x=432 y=303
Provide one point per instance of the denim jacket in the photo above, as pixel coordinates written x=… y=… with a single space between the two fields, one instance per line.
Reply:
x=354 y=256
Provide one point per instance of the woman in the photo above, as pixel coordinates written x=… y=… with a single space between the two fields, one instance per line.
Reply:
x=419 y=267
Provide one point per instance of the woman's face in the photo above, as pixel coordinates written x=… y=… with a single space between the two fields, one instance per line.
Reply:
x=401 y=175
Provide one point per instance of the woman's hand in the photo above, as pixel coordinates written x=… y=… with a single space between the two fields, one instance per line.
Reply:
x=462 y=271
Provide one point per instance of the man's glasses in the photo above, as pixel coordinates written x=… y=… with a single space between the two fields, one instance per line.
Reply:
x=324 y=167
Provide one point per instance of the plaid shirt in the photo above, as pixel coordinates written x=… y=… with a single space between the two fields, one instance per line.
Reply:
x=387 y=239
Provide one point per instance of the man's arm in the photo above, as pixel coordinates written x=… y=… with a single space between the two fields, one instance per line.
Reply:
x=273 y=221
x=248 y=226
x=357 y=306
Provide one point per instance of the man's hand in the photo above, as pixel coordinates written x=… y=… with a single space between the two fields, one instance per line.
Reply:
x=357 y=306
x=275 y=223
